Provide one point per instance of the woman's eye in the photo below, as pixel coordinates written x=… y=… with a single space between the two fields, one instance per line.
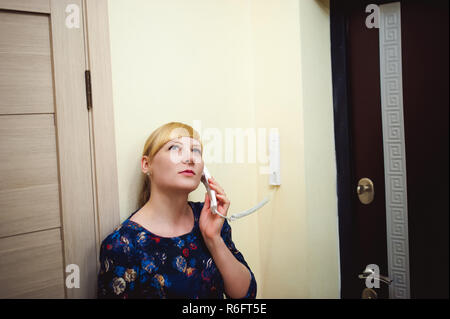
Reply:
x=178 y=147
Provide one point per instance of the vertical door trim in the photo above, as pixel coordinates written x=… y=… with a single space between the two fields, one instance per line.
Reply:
x=342 y=139
x=102 y=118
x=73 y=144
x=394 y=149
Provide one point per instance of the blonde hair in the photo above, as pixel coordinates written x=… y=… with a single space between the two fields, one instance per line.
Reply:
x=155 y=141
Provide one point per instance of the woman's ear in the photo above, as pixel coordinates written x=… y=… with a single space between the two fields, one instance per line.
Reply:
x=145 y=165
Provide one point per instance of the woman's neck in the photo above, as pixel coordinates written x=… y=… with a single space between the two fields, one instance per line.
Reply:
x=167 y=207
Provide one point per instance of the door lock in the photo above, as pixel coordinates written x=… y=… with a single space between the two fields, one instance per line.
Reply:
x=365 y=190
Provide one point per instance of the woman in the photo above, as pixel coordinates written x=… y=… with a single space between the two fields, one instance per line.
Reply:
x=172 y=247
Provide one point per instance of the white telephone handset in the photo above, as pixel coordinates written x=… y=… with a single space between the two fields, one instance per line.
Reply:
x=212 y=195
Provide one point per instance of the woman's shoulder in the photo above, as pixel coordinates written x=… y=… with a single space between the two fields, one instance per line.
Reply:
x=120 y=240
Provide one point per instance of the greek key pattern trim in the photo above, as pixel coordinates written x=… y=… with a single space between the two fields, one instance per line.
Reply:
x=394 y=149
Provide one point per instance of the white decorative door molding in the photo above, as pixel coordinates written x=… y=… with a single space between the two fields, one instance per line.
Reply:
x=394 y=149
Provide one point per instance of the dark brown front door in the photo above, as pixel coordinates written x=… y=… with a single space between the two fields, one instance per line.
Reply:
x=359 y=142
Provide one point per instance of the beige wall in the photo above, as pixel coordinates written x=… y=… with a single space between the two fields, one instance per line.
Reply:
x=239 y=64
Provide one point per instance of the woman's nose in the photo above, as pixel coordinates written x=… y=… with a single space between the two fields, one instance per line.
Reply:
x=187 y=157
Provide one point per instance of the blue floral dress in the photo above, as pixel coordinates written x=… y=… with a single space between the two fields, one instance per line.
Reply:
x=135 y=263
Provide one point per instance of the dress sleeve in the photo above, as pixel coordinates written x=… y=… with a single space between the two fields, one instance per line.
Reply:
x=118 y=275
x=226 y=235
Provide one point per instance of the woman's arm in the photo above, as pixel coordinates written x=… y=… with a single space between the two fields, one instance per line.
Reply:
x=236 y=276
x=239 y=281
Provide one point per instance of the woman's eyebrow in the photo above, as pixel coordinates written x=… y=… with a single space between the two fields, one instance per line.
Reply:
x=183 y=144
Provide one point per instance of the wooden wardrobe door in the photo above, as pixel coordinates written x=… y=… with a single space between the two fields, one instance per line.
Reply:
x=47 y=218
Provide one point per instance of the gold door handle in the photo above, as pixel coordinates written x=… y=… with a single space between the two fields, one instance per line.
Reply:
x=369 y=272
x=365 y=190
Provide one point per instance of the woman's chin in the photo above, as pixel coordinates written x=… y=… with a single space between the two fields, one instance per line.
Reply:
x=185 y=188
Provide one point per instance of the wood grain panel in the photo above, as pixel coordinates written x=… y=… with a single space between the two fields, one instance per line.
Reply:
x=26 y=5
x=29 y=195
x=31 y=265
x=29 y=209
x=25 y=64
x=28 y=155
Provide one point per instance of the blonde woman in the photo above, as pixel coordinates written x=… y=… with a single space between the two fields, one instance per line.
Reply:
x=171 y=247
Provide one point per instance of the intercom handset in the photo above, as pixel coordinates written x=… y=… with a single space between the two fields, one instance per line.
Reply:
x=212 y=196
x=211 y=193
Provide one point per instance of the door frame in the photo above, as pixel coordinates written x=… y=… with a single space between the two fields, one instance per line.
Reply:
x=342 y=137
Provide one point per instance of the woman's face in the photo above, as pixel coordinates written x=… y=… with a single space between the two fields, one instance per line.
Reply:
x=176 y=156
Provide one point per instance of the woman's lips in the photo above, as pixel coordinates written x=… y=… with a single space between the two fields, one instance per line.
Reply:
x=187 y=173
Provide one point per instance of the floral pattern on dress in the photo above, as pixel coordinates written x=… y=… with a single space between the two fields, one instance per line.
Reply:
x=135 y=263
